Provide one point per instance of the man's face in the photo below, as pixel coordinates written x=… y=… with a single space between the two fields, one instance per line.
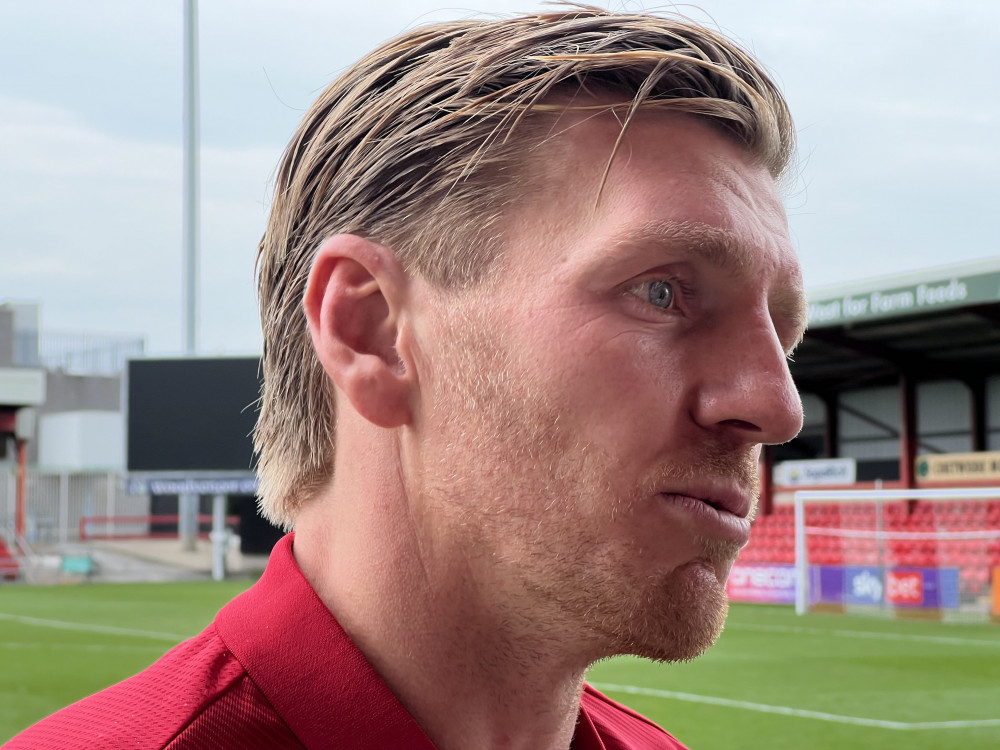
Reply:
x=591 y=415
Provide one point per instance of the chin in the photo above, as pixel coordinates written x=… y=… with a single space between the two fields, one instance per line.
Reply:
x=670 y=613
x=677 y=622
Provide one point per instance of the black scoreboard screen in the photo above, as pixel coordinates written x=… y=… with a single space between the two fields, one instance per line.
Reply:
x=193 y=415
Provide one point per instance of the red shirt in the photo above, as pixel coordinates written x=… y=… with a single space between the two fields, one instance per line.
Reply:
x=276 y=670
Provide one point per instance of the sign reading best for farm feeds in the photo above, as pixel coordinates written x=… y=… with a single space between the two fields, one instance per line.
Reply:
x=903 y=300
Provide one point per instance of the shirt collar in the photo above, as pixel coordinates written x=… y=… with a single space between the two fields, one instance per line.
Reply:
x=320 y=683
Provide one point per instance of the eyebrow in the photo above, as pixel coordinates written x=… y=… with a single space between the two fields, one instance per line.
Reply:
x=718 y=246
x=723 y=249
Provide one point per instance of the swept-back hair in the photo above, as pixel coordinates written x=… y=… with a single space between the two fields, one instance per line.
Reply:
x=425 y=143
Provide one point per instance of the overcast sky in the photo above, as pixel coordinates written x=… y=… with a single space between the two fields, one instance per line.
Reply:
x=897 y=104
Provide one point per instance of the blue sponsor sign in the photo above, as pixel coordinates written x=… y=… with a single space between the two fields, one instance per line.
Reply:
x=926 y=588
x=826 y=584
x=947 y=580
x=863 y=584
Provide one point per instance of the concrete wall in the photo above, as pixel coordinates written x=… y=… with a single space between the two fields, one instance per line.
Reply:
x=863 y=437
x=6 y=337
x=81 y=440
x=82 y=393
x=993 y=413
x=79 y=394
x=944 y=417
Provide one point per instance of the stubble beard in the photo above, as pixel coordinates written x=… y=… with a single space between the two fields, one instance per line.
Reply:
x=534 y=506
x=623 y=606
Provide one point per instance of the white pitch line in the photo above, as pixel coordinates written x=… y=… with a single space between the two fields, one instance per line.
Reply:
x=943 y=639
x=799 y=712
x=88 y=647
x=92 y=628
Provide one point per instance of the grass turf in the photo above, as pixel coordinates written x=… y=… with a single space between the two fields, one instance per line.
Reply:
x=857 y=671
x=46 y=666
x=766 y=684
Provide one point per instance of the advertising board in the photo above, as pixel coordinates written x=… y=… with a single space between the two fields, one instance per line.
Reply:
x=996 y=592
x=906 y=299
x=927 y=588
x=863 y=585
x=816 y=472
x=762 y=584
x=951 y=467
x=904 y=588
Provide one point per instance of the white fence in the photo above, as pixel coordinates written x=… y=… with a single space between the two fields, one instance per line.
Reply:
x=56 y=501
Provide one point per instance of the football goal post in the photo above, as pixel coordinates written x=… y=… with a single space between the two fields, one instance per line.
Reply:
x=899 y=552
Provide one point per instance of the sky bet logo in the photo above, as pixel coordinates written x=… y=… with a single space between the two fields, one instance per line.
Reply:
x=904 y=587
x=866 y=587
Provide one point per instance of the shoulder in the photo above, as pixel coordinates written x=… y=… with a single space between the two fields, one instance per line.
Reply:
x=151 y=710
x=621 y=728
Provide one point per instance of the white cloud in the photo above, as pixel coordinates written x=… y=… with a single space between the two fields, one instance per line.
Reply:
x=103 y=247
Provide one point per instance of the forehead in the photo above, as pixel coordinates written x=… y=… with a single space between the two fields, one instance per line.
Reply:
x=668 y=179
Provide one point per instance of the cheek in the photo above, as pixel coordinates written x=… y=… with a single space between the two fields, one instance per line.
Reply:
x=618 y=386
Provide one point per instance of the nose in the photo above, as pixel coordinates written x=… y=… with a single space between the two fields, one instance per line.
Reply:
x=747 y=389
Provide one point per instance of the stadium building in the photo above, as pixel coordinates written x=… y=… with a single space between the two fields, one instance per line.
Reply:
x=87 y=454
x=900 y=383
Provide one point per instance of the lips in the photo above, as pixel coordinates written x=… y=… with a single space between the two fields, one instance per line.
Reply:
x=727 y=499
x=720 y=513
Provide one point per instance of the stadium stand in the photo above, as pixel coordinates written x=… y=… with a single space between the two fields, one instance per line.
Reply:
x=773 y=537
x=898 y=368
x=900 y=382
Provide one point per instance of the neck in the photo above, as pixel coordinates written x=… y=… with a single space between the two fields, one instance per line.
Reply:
x=437 y=626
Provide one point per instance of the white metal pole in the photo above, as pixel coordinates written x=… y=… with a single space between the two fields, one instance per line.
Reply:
x=801 y=566
x=219 y=537
x=112 y=488
x=10 y=492
x=187 y=519
x=880 y=542
x=64 y=507
x=188 y=502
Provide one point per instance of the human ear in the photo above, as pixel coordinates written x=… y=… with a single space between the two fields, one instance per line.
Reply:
x=353 y=301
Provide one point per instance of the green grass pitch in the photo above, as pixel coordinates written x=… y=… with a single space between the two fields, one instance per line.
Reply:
x=773 y=681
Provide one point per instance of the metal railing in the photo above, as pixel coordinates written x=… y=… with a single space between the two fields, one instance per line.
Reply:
x=87 y=353
x=56 y=502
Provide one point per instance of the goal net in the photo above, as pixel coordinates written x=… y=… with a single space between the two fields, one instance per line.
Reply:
x=917 y=553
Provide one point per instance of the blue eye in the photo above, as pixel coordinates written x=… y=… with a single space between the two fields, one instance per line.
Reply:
x=661 y=294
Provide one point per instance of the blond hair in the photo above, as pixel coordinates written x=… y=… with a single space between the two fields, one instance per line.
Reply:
x=423 y=145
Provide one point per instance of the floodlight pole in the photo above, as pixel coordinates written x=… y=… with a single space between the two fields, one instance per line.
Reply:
x=191 y=204
x=187 y=526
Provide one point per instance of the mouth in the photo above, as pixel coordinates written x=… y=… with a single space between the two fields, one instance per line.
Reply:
x=737 y=502
x=722 y=513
